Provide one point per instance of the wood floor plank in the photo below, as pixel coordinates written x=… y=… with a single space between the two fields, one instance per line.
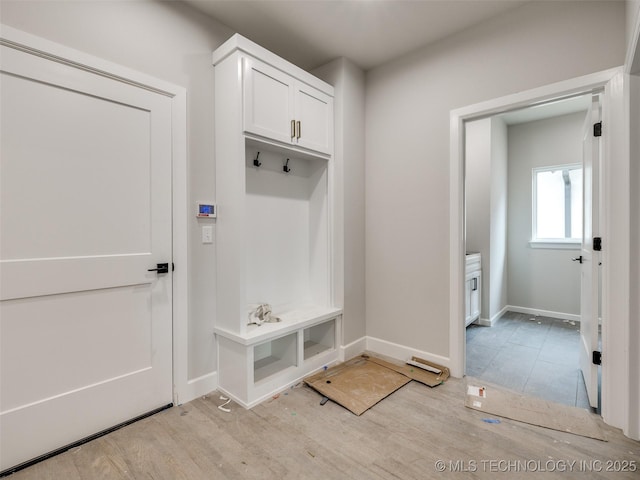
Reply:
x=293 y=437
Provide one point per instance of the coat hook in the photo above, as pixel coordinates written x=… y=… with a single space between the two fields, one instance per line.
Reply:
x=286 y=168
x=256 y=163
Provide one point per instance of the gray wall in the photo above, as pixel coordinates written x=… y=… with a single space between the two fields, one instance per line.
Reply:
x=348 y=81
x=498 y=228
x=632 y=12
x=486 y=208
x=542 y=279
x=407 y=132
x=172 y=41
x=477 y=198
x=408 y=102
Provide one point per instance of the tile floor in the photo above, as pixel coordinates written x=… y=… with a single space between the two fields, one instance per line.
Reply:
x=538 y=357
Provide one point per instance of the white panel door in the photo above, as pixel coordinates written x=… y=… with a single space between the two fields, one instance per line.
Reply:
x=314 y=117
x=590 y=259
x=85 y=211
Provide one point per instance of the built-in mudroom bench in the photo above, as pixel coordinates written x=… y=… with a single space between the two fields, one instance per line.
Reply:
x=276 y=319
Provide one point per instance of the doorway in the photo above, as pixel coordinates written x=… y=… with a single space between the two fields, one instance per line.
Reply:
x=614 y=259
x=524 y=209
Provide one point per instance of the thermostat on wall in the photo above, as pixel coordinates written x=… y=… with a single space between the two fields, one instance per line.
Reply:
x=206 y=210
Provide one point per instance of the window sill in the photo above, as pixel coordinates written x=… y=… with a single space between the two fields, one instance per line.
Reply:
x=556 y=244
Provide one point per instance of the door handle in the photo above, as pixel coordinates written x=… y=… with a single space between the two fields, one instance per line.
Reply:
x=161 y=268
x=577 y=259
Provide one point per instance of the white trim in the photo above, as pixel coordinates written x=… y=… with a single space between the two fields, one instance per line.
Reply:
x=484 y=322
x=293 y=319
x=615 y=227
x=489 y=322
x=354 y=349
x=281 y=388
x=389 y=349
x=197 y=387
x=632 y=47
x=543 y=313
x=180 y=192
x=555 y=244
x=534 y=205
x=402 y=352
x=615 y=407
x=457 y=246
x=634 y=325
x=497 y=316
x=66 y=55
x=238 y=42
x=60 y=53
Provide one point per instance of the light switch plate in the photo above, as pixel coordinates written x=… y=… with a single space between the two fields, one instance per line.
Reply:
x=207 y=234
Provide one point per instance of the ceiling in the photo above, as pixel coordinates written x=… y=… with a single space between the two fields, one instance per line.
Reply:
x=310 y=33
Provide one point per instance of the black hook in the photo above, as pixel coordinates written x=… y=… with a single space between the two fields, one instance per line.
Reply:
x=256 y=163
x=286 y=168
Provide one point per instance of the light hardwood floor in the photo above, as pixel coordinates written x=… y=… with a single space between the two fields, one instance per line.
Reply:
x=293 y=437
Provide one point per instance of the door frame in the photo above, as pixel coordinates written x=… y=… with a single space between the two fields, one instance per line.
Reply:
x=31 y=44
x=615 y=226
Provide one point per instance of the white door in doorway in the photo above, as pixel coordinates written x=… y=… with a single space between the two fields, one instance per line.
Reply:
x=85 y=212
x=590 y=258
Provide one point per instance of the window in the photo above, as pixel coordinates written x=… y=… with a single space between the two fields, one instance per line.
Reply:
x=557 y=204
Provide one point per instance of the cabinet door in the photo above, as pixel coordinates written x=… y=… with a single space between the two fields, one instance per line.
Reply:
x=475 y=298
x=467 y=302
x=314 y=112
x=268 y=101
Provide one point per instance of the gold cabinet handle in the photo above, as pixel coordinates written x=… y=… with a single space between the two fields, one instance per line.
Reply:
x=299 y=130
x=293 y=129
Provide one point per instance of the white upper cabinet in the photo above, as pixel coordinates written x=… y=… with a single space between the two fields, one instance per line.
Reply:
x=282 y=108
x=314 y=118
x=268 y=101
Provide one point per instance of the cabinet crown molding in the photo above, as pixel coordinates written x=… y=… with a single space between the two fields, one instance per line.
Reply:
x=239 y=43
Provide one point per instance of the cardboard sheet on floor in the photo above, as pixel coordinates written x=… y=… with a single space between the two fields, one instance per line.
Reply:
x=357 y=384
x=415 y=373
x=532 y=410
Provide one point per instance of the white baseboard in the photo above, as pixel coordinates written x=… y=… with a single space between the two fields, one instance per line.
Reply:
x=280 y=389
x=489 y=322
x=543 y=313
x=485 y=322
x=353 y=349
x=208 y=383
x=261 y=399
x=402 y=352
x=198 y=387
x=495 y=318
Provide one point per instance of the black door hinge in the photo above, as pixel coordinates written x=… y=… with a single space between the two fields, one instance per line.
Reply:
x=173 y=266
x=596 y=358
x=597 y=244
x=597 y=129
